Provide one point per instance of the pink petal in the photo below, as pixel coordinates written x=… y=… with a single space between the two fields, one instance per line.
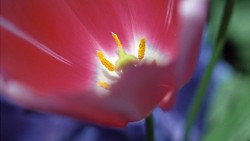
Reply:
x=85 y=106
x=49 y=59
x=192 y=21
x=168 y=101
x=130 y=19
x=26 y=42
x=192 y=14
x=126 y=102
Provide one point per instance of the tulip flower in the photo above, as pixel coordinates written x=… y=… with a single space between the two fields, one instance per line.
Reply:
x=107 y=62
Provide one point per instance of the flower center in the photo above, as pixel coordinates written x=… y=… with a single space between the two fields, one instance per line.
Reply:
x=123 y=61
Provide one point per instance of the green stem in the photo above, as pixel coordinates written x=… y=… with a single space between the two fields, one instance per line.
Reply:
x=150 y=127
x=201 y=91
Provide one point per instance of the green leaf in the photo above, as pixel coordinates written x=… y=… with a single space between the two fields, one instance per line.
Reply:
x=229 y=116
x=238 y=30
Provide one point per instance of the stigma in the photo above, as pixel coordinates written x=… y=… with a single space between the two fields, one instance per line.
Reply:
x=124 y=60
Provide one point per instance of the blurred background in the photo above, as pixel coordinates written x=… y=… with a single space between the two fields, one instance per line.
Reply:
x=225 y=114
x=228 y=117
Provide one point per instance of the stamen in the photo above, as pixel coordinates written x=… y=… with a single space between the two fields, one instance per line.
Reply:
x=105 y=62
x=103 y=85
x=117 y=40
x=124 y=61
x=141 y=50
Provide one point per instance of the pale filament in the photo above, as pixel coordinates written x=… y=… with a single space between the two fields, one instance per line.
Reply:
x=122 y=56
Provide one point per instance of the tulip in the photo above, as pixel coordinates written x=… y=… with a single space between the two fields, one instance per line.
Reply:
x=106 y=62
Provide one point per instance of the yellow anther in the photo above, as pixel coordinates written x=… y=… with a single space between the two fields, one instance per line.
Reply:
x=141 y=50
x=117 y=40
x=100 y=54
x=105 y=62
x=103 y=84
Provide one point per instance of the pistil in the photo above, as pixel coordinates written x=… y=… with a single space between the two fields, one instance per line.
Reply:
x=124 y=60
